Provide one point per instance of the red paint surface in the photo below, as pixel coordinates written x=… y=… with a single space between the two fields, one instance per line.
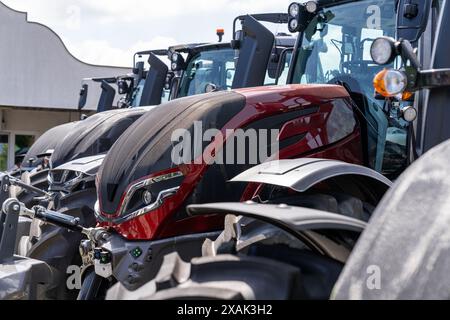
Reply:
x=261 y=103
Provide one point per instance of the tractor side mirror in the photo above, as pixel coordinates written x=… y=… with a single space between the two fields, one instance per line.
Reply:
x=83 y=96
x=122 y=86
x=174 y=86
x=412 y=19
x=272 y=67
x=139 y=69
x=284 y=59
x=169 y=78
x=237 y=38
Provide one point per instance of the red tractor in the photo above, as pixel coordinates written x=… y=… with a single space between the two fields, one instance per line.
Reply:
x=159 y=167
x=327 y=112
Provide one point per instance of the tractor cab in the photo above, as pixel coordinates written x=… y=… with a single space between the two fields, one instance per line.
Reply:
x=202 y=68
x=144 y=86
x=333 y=47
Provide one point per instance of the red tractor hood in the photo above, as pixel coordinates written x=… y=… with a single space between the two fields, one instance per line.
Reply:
x=143 y=152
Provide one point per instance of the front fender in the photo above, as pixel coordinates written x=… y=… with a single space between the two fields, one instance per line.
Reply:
x=303 y=174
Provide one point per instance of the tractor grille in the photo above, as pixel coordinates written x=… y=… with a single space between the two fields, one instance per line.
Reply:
x=62 y=176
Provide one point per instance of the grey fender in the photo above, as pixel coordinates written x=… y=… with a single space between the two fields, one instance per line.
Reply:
x=87 y=165
x=297 y=221
x=404 y=253
x=290 y=218
x=302 y=174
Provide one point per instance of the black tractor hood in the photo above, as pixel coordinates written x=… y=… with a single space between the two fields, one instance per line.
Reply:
x=46 y=142
x=146 y=147
x=94 y=135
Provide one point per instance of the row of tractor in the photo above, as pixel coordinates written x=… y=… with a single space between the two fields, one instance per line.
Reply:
x=310 y=165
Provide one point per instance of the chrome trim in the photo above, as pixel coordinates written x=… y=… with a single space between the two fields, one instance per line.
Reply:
x=145 y=183
x=159 y=201
x=163 y=194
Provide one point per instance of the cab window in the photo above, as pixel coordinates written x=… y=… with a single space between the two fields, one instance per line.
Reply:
x=335 y=49
x=208 y=69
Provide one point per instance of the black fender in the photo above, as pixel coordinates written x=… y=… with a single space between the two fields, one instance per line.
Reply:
x=303 y=174
x=296 y=221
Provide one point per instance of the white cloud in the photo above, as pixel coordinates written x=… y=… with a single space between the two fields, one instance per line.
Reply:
x=135 y=10
x=102 y=52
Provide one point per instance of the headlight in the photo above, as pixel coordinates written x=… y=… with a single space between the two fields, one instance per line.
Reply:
x=293 y=25
x=294 y=9
x=409 y=113
x=383 y=50
x=300 y=14
x=175 y=57
x=147 y=195
x=177 y=61
x=390 y=83
x=311 y=6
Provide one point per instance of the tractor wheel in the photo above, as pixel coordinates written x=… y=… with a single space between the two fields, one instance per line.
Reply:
x=59 y=247
x=94 y=287
x=257 y=271
x=334 y=202
x=227 y=277
x=264 y=273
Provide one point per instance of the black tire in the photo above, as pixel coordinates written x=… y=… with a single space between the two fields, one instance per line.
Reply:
x=38 y=180
x=59 y=247
x=93 y=286
x=265 y=273
x=333 y=201
x=228 y=277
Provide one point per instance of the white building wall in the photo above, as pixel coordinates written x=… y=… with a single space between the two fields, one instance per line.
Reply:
x=37 y=70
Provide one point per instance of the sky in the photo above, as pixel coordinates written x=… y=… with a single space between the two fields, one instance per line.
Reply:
x=108 y=32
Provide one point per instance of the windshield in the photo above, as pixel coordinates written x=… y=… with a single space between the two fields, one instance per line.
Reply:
x=335 y=49
x=213 y=68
